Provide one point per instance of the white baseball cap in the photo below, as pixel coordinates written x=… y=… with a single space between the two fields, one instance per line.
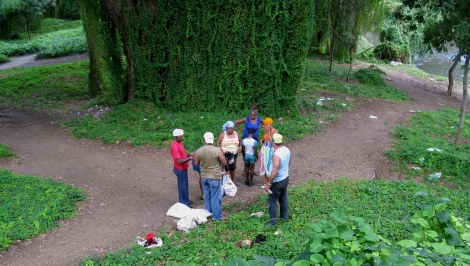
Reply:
x=178 y=132
x=209 y=137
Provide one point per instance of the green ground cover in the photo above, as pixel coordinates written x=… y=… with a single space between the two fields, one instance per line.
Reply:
x=56 y=38
x=45 y=88
x=30 y=206
x=387 y=206
x=5 y=152
x=365 y=83
x=139 y=122
x=434 y=129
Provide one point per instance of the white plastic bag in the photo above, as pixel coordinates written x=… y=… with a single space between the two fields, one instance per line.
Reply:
x=186 y=224
x=230 y=189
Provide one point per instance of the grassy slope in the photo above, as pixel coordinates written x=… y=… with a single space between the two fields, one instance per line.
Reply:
x=31 y=206
x=386 y=205
x=46 y=88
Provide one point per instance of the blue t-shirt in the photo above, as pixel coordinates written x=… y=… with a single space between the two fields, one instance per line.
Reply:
x=249 y=125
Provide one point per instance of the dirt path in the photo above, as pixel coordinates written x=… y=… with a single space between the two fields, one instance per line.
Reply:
x=130 y=189
x=29 y=60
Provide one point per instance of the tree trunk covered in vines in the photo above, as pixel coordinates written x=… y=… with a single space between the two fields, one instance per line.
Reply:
x=210 y=55
x=90 y=16
x=451 y=74
x=464 y=100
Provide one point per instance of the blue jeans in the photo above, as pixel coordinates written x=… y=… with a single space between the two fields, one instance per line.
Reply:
x=212 y=189
x=279 y=194
x=183 y=191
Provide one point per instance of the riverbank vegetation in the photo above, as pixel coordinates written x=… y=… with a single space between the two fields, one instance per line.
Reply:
x=33 y=205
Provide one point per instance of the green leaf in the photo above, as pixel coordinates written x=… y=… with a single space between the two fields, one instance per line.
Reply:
x=440 y=207
x=442 y=248
x=421 y=222
x=429 y=213
x=316 y=246
x=317 y=258
x=407 y=243
x=347 y=235
x=302 y=263
x=431 y=233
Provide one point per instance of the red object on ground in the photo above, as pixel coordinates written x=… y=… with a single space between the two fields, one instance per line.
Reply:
x=150 y=236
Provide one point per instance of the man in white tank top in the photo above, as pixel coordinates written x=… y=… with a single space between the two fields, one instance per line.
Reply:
x=278 y=181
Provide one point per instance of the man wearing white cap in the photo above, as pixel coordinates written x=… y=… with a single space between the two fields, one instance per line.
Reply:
x=278 y=181
x=180 y=166
x=211 y=160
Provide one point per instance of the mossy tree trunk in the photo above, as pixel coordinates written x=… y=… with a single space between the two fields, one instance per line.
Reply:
x=451 y=74
x=464 y=100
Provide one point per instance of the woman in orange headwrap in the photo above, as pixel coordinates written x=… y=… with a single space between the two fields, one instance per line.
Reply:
x=269 y=130
x=267 y=149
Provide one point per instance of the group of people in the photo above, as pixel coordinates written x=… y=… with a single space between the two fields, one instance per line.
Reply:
x=213 y=162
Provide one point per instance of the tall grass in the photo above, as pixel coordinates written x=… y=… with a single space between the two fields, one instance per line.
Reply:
x=5 y=152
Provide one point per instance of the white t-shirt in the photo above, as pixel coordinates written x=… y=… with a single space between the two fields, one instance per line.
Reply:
x=249 y=144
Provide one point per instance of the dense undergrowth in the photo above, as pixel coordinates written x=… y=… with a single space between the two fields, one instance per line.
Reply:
x=56 y=38
x=387 y=206
x=425 y=147
x=323 y=97
x=30 y=206
x=46 y=88
x=5 y=152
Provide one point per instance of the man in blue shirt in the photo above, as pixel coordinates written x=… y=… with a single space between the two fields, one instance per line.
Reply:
x=278 y=181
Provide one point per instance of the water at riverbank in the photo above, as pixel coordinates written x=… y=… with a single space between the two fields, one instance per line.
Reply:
x=439 y=63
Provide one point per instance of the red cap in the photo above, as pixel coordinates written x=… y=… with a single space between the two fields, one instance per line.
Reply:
x=254 y=107
x=150 y=236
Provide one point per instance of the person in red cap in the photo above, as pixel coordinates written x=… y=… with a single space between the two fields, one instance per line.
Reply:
x=180 y=166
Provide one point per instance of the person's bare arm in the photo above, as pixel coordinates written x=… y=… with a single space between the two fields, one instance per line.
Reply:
x=219 y=139
x=276 y=164
x=195 y=158
x=182 y=161
x=239 y=122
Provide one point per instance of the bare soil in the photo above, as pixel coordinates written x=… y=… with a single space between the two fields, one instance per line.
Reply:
x=130 y=189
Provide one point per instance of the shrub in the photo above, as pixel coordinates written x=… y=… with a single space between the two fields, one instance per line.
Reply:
x=392 y=34
x=3 y=59
x=389 y=51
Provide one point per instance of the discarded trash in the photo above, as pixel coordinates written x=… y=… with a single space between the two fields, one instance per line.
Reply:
x=343 y=104
x=434 y=149
x=243 y=243
x=373 y=117
x=417 y=168
x=150 y=241
x=435 y=177
x=189 y=218
x=257 y=214
x=395 y=63
x=230 y=189
x=277 y=232
x=186 y=223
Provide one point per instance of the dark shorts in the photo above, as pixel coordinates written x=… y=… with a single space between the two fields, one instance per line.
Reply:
x=196 y=168
x=231 y=161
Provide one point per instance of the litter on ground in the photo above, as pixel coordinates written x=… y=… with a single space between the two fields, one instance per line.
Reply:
x=373 y=117
x=434 y=149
